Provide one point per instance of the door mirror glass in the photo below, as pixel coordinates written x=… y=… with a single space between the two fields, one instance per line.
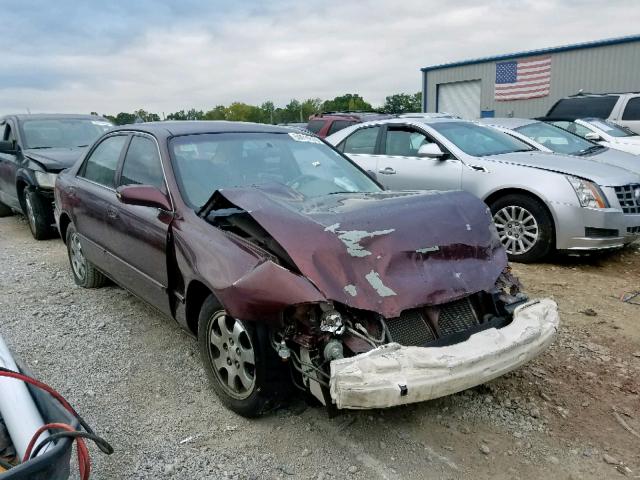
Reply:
x=144 y=196
x=7 y=147
x=430 y=150
x=593 y=136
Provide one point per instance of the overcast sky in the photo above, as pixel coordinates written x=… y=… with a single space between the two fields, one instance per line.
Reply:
x=163 y=55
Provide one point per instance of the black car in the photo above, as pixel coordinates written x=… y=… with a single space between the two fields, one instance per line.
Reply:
x=33 y=150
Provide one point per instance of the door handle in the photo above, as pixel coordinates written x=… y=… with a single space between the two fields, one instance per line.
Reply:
x=112 y=212
x=387 y=171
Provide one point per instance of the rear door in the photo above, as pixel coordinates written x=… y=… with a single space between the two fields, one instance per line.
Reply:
x=8 y=168
x=362 y=147
x=630 y=117
x=137 y=241
x=93 y=193
x=401 y=169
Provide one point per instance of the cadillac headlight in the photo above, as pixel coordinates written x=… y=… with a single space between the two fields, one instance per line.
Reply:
x=46 y=180
x=589 y=194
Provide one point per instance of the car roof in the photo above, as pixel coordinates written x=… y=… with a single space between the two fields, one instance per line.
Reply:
x=52 y=116
x=188 y=127
x=507 y=122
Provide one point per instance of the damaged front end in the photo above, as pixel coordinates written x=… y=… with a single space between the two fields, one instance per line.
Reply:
x=397 y=298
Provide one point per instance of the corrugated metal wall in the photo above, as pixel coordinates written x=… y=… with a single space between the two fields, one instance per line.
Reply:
x=613 y=68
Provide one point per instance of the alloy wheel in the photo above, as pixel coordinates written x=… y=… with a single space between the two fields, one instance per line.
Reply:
x=78 y=262
x=232 y=355
x=517 y=228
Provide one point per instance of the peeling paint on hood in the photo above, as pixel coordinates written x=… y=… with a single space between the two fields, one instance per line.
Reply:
x=377 y=251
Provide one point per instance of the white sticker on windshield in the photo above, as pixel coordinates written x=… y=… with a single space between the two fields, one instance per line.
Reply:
x=102 y=124
x=300 y=137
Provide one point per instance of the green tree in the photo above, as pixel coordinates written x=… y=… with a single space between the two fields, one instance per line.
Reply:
x=347 y=102
x=124 y=118
x=309 y=107
x=267 y=112
x=403 y=103
x=146 y=116
x=219 y=112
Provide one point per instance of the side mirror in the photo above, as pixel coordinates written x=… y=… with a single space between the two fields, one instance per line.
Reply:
x=144 y=196
x=372 y=174
x=7 y=147
x=593 y=136
x=430 y=150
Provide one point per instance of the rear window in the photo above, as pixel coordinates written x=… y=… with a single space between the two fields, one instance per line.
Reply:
x=315 y=126
x=579 y=107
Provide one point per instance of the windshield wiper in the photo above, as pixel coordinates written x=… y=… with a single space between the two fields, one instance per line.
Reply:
x=82 y=146
x=590 y=149
x=38 y=148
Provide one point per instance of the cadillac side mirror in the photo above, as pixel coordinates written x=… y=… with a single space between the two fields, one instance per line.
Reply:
x=430 y=150
x=7 y=147
x=593 y=136
x=144 y=196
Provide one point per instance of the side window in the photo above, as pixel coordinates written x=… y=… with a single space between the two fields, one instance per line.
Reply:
x=6 y=133
x=315 y=126
x=362 y=141
x=339 y=125
x=101 y=166
x=404 y=142
x=142 y=164
x=632 y=110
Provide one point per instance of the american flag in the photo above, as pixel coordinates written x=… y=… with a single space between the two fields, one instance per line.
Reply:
x=521 y=79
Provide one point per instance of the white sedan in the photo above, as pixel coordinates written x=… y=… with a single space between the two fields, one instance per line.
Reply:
x=605 y=132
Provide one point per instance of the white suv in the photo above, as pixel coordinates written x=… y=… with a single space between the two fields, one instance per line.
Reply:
x=621 y=108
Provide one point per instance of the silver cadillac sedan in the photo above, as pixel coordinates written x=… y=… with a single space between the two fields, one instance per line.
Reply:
x=540 y=201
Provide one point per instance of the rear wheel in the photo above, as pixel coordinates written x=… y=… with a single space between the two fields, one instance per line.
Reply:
x=38 y=215
x=84 y=273
x=238 y=360
x=525 y=227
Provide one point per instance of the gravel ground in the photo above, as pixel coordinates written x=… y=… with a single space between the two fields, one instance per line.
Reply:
x=137 y=379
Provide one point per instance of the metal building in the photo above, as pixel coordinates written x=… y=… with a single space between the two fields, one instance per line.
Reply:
x=527 y=84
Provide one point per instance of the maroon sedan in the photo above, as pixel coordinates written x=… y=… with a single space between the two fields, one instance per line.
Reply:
x=293 y=267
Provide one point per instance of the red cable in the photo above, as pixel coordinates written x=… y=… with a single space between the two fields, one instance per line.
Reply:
x=84 y=462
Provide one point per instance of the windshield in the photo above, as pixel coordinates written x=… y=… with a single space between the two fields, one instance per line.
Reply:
x=610 y=128
x=62 y=133
x=479 y=141
x=206 y=163
x=556 y=139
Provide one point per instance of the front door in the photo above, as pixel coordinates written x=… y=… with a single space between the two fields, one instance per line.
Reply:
x=137 y=239
x=400 y=168
x=361 y=147
x=8 y=169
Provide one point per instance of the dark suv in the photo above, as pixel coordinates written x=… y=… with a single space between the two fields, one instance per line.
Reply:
x=327 y=123
x=33 y=150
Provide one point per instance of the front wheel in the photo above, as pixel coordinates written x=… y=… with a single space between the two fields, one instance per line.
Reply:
x=524 y=226
x=238 y=360
x=38 y=214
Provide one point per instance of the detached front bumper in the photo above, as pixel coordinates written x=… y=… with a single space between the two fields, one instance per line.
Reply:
x=395 y=375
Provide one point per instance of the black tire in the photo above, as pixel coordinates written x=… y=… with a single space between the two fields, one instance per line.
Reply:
x=516 y=235
x=264 y=378
x=5 y=211
x=39 y=215
x=84 y=273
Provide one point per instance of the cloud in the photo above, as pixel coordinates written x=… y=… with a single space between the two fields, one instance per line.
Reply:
x=164 y=56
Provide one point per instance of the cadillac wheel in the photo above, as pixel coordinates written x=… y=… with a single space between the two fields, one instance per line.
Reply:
x=524 y=226
x=238 y=360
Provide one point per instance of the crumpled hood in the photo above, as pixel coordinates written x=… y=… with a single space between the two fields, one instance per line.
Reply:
x=383 y=252
x=587 y=167
x=54 y=159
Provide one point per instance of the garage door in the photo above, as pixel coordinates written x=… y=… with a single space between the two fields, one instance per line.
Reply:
x=460 y=98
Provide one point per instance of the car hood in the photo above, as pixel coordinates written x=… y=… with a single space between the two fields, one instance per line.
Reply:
x=385 y=251
x=585 y=167
x=634 y=140
x=618 y=158
x=54 y=159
